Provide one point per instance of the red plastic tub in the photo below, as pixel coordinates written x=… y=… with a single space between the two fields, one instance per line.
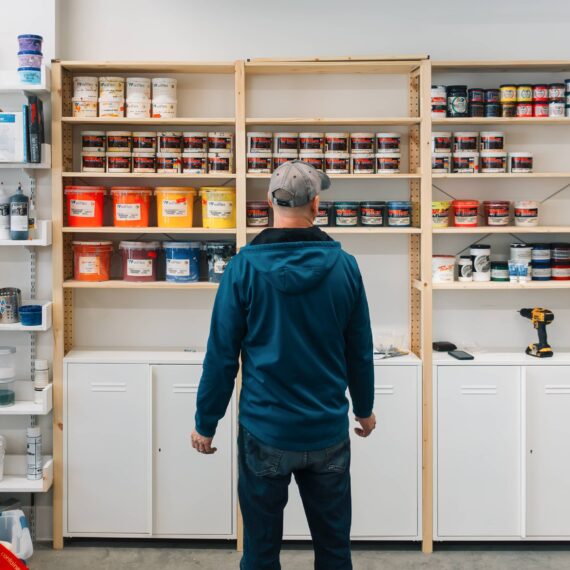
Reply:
x=85 y=205
x=465 y=213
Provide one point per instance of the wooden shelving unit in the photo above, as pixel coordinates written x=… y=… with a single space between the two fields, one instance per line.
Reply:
x=417 y=121
x=64 y=285
x=420 y=237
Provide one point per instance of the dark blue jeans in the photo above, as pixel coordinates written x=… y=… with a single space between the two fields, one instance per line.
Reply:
x=323 y=478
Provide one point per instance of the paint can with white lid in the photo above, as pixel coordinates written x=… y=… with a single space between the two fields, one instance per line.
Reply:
x=259 y=162
x=111 y=108
x=138 y=88
x=387 y=142
x=220 y=162
x=258 y=141
x=138 y=108
x=86 y=88
x=195 y=162
x=388 y=162
x=315 y=159
x=195 y=141
x=285 y=142
x=164 y=87
x=337 y=162
x=362 y=163
x=520 y=162
x=283 y=157
x=93 y=141
x=443 y=268
x=311 y=142
x=361 y=143
x=164 y=109
x=84 y=108
x=336 y=142
x=112 y=88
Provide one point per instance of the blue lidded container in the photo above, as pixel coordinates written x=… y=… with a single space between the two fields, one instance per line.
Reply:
x=399 y=214
x=30 y=75
x=31 y=315
x=182 y=261
x=219 y=254
x=30 y=42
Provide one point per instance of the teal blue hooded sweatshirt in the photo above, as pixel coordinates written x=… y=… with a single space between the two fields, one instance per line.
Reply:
x=297 y=313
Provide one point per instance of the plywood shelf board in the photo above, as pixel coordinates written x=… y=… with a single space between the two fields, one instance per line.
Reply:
x=503 y=121
x=500 y=66
x=151 y=230
x=126 y=67
x=355 y=231
x=118 y=284
x=402 y=176
x=371 y=121
x=147 y=175
x=504 y=230
x=392 y=67
x=507 y=175
x=178 y=121
x=500 y=286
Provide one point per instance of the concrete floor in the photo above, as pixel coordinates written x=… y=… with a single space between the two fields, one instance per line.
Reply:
x=529 y=557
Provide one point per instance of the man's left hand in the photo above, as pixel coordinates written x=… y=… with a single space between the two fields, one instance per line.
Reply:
x=203 y=444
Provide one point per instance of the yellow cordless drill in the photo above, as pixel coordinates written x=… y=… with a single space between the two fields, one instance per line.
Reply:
x=539 y=318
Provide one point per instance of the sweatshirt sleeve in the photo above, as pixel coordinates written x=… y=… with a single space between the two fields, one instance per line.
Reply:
x=359 y=356
x=221 y=364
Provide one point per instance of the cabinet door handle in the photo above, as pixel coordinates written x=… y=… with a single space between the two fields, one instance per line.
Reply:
x=108 y=387
x=385 y=390
x=478 y=390
x=184 y=388
x=557 y=389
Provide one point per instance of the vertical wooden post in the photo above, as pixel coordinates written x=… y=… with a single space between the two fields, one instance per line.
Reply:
x=241 y=197
x=58 y=303
x=427 y=302
x=240 y=158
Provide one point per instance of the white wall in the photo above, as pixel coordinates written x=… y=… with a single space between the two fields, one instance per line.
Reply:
x=226 y=29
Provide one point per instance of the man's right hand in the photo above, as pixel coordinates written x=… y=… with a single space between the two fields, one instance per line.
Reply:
x=367 y=425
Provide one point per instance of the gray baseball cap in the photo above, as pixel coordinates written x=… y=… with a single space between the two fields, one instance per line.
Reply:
x=296 y=183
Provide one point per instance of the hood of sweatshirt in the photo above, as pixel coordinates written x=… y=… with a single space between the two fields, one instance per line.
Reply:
x=294 y=267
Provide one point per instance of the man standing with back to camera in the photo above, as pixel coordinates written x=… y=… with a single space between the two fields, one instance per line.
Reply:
x=293 y=303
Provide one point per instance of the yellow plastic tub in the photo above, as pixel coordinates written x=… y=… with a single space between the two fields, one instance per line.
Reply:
x=218 y=207
x=440 y=214
x=175 y=206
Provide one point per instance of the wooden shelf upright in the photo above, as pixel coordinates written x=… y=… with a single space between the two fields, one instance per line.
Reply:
x=63 y=172
x=417 y=70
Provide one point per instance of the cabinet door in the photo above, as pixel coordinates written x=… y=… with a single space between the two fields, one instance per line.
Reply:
x=193 y=493
x=108 y=449
x=385 y=466
x=478 y=451
x=548 y=451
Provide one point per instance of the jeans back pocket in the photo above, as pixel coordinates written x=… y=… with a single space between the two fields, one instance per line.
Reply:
x=262 y=459
x=338 y=457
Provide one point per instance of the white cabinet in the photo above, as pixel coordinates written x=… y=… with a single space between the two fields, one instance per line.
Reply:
x=129 y=466
x=193 y=493
x=478 y=451
x=107 y=458
x=386 y=467
x=548 y=452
